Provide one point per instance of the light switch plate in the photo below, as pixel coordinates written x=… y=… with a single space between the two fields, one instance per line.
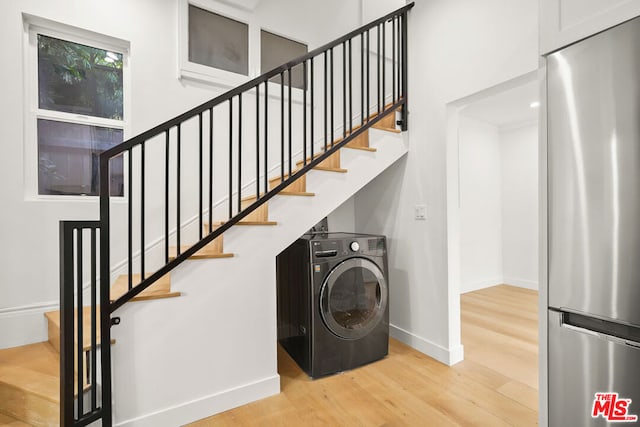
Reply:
x=420 y=212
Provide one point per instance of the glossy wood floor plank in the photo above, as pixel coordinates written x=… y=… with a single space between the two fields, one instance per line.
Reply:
x=496 y=384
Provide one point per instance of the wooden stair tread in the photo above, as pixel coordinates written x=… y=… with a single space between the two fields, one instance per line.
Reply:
x=160 y=289
x=54 y=318
x=204 y=253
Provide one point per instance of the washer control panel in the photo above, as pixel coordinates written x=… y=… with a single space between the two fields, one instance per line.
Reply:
x=325 y=249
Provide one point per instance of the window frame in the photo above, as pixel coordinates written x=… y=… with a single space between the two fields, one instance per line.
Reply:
x=203 y=73
x=33 y=26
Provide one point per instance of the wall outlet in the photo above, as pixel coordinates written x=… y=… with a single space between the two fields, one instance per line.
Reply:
x=420 y=212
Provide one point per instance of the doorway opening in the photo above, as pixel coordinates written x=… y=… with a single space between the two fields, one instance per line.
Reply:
x=493 y=221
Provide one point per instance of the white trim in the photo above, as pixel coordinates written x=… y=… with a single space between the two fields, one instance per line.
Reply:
x=448 y=356
x=28 y=309
x=521 y=283
x=25 y=324
x=78 y=119
x=206 y=406
x=73 y=33
x=481 y=284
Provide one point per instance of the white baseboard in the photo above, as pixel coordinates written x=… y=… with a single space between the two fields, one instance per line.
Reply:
x=481 y=284
x=24 y=325
x=448 y=356
x=207 y=406
x=522 y=283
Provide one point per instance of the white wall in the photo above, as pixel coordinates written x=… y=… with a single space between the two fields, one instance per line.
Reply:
x=344 y=217
x=498 y=204
x=481 y=219
x=455 y=49
x=519 y=150
x=29 y=227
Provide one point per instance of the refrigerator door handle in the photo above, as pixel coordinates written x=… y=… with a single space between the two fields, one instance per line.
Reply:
x=610 y=331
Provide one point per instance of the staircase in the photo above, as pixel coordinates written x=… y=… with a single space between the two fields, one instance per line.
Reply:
x=201 y=336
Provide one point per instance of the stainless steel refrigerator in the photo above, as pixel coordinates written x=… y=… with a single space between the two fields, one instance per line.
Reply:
x=593 y=100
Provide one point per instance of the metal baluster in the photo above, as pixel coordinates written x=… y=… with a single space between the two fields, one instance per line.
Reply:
x=399 y=64
x=79 y=319
x=368 y=77
x=384 y=62
x=378 y=66
x=142 y=189
x=178 y=161
x=200 y=222
x=210 y=170
x=304 y=113
x=230 y=158
x=282 y=126
x=258 y=142
x=393 y=59
x=94 y=305
x=290 y=124
x=239 y=152
x=312 y=107
x=332 y=96
x=266 y=136
x=344 y=90
x=350 y=88
x=67 y=319
x=130 y=219
x=325 y=106
x=166 y=197
x=362 y=112
x=405 y=112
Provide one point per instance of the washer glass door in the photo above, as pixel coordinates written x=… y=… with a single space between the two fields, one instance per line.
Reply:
x=353 y=298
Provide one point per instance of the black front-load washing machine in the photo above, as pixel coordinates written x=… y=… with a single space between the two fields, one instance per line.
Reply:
x=333 y=311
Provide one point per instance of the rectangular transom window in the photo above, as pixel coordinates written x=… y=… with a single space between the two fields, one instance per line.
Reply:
x=217 y=41
x=80 y=114
x=276 y=50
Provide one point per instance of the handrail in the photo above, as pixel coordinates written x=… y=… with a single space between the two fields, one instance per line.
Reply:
x=319 y=142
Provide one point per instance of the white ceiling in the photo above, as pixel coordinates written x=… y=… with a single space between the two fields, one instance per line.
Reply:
x=508 y=108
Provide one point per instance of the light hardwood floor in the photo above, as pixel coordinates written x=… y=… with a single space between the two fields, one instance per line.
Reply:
x=496 y=384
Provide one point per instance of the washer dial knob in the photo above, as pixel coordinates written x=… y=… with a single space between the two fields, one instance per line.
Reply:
x=354 y=246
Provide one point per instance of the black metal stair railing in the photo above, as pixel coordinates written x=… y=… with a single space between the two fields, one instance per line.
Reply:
x=180 y=156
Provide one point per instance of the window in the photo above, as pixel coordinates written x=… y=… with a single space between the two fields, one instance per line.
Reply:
x=78 y=106
x=276 y=50
x=218 y=42
x=214 y=42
